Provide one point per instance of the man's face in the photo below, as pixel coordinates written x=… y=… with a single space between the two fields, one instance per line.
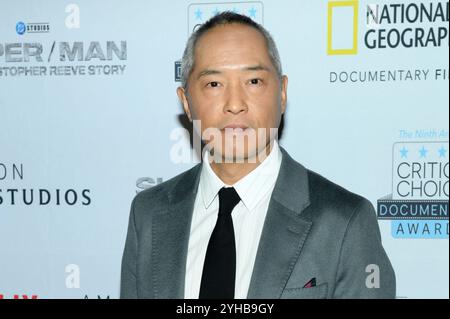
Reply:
x=234 y=85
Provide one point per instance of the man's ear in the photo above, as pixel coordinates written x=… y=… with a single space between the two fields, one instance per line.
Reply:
x=183 y=99
x=284 y=86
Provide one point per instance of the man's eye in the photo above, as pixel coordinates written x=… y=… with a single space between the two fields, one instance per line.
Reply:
x=255 y=81
x=213 y=84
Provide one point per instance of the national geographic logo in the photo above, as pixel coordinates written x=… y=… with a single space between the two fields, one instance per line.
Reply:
x=338 y=44
x=387 y=26
x=66 y=56
x=418 y=206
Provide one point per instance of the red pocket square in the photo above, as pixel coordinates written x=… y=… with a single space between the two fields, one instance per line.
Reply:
x=310 y=284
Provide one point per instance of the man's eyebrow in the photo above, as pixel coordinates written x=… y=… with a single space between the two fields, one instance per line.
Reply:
x=258 y=67
x=208 y=72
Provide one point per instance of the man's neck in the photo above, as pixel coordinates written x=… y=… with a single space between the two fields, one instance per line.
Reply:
x=231 y=173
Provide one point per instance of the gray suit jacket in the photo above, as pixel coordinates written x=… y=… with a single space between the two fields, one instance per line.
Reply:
x=313 y=229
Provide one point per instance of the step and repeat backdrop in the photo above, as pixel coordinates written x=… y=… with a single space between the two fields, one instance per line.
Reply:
x=89 y=117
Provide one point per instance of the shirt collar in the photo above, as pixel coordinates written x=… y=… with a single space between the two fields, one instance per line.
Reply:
x=251 y=188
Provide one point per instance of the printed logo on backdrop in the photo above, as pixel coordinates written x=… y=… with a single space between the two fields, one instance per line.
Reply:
x=359 y=27
x=418 y=205
x=13 y=193
x=144 y=183
x=32 y=27
x=41 y=56
x=178 y=71
x=199 y=13
x=18 y=296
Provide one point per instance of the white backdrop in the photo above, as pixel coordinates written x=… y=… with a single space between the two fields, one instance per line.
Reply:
x=89 y=116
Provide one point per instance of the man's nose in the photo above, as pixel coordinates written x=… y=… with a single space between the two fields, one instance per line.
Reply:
x=235 y=100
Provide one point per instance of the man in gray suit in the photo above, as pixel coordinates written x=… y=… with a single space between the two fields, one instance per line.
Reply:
x=249 y=222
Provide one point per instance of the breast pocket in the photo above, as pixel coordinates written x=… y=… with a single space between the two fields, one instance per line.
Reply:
x=317 y=292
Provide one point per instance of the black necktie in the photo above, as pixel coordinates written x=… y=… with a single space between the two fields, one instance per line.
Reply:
x=219 y=269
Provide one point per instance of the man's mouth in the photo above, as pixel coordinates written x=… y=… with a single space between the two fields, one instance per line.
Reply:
x=235 y=126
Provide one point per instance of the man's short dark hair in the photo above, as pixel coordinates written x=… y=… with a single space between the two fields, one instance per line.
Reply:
x=224 y=18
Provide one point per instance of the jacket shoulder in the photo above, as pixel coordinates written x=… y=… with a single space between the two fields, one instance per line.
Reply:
x=158 y=195
x=328 y=196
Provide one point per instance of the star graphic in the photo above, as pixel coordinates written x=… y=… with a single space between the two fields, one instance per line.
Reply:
x=423 y=152
x=442 y=152
x=252 y=12
x=404 y=152
x=198 y=14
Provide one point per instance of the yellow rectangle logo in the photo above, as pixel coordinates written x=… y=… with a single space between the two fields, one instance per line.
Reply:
x=339 y=4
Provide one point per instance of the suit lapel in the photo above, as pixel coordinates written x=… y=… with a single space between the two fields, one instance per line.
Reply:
x=284 y=231
x=170 y=239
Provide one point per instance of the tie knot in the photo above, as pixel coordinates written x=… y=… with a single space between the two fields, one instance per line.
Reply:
x=228 y=199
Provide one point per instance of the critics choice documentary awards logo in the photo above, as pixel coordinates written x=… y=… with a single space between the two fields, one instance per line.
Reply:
x=199 y=13
x=15 y=190
x=418 y=205
x=366 y=28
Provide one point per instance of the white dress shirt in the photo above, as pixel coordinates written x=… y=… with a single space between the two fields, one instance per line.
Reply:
x=255 y=191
